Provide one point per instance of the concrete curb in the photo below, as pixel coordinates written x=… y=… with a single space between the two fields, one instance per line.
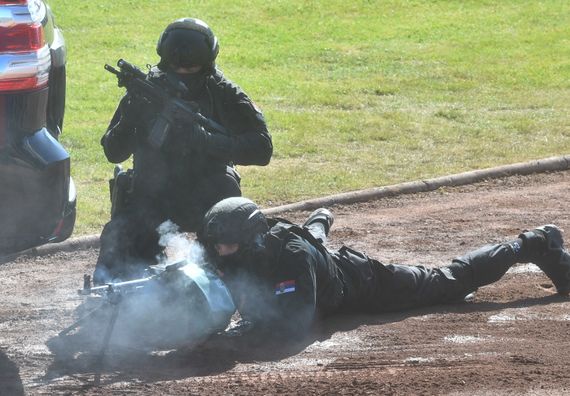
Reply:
x=77 y=243
x=524 y=168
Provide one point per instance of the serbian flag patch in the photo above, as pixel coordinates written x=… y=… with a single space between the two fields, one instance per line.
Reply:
x=285 y=287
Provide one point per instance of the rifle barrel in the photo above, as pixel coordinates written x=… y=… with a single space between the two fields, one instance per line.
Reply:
x=116 y=287
x=111 y=69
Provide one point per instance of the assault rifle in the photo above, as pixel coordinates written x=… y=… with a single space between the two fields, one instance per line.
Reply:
x=167 y=97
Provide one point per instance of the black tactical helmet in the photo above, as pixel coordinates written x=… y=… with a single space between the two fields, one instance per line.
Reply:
x=187 y=42
x=233 y=220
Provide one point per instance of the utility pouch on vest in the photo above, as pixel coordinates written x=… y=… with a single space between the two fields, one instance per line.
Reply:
x=159 y=131
x=120 y=189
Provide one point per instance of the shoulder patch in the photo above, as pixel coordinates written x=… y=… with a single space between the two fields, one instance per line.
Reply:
x=253 y=110
x=257 y=111
x=285 y=287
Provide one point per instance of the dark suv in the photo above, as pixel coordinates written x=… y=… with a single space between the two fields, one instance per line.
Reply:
x=37 y=194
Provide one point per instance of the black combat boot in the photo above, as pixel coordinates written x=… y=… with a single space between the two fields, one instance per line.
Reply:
x=550 y=255
x=319 y=223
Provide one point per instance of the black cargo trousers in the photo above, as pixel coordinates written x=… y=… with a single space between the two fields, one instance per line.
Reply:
x=371 y=286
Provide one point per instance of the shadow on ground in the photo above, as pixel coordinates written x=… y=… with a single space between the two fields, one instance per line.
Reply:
x=10 y=381
x=78 y=354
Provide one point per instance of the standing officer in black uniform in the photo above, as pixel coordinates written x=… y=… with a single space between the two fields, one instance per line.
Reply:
x=282 y=277
x=192 y=168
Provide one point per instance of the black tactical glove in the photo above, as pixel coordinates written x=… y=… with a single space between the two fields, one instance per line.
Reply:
x=214 y=144
x=239 y=329
x=198 y=137
x=131 y=109
x=237 y=337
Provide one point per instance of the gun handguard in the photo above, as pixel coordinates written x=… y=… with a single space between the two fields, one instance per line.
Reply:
x=131 y=285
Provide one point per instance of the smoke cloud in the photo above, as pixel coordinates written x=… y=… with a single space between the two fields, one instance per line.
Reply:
x=178 y=246
x=181 y=306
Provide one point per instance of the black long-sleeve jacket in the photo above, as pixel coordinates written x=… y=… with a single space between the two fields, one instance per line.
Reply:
x=293 y=283
x=171 y=178
x=249 y=142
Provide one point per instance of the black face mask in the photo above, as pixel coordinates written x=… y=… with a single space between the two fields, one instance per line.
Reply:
x=249 y=258
x=194 y=82
x=231 y=260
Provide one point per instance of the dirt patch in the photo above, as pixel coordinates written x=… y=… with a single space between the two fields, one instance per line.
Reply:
x=512 y=339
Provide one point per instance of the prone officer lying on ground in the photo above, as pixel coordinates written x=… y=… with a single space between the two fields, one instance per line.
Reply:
x=282 y=277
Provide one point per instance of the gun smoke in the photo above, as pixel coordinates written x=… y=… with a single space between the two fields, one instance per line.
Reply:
x=182 y=307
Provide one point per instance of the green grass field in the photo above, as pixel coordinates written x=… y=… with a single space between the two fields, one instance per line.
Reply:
x=356 y=94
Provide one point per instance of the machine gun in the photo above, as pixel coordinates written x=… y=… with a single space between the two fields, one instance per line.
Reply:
x=115 y=291
x=182 y=277
x=187 y=287
x=167 y=97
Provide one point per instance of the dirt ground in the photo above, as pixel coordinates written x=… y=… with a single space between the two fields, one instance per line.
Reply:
x=513 y=339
